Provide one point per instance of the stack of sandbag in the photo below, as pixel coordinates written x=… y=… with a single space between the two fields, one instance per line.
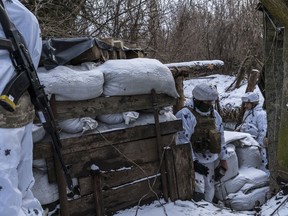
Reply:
x=112 y=78
x=250 y=187
x=232 y=172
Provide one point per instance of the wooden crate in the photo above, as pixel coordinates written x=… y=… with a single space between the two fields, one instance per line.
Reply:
x=128 y=159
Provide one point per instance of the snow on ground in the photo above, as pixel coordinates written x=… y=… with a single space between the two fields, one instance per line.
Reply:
x=277 y=205
x=222 y=82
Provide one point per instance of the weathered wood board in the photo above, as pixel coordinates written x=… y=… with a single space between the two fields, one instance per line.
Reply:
x=108 y=105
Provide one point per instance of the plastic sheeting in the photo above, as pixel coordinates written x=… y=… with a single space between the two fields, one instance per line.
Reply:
x=59 y=51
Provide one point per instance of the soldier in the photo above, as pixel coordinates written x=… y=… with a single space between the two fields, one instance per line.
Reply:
x=254 y=122
x=16 y=177
x=203 y=129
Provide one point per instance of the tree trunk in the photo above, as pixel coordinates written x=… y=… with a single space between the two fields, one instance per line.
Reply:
x=276 y=73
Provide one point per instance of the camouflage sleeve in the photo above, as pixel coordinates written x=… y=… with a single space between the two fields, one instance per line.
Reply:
x=219 y=124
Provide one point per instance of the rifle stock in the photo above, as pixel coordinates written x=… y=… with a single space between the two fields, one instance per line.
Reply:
x=25 y=70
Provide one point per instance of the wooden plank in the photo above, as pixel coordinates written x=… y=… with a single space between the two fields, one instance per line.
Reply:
x=121 y=198
x=184 y=170
x=115 y=199
x=97 y=188
x=89 y=141
x=171 y=175
x=160 y=146
x=108 y=105
x=107 y=158
x=119 y=177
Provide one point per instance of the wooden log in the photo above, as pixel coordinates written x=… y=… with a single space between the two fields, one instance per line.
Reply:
x=108 y=158
x=196 y=68
x=92 y=140
x=93 y=54
x=252 y=80
x=107 y=105
x=179 y=86
x=184 y=171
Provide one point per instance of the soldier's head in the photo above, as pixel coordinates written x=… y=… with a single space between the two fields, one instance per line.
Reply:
x=204 y=97
x=250 y=100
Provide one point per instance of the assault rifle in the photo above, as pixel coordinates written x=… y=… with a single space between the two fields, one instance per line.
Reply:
x=26 y=79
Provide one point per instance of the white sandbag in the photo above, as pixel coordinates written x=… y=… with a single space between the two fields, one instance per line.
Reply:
x=233 y=185
x=130 y=117
x=77 y=125
x=137 y=76
x=244 y=202
x=199 y=183
x=247 y=178
x=44 y=191
x=249 y=156
x=72 y=84
x=148 y=118
x=116 y=118
x=232 y=162
x=254 y=176
x=38 y=133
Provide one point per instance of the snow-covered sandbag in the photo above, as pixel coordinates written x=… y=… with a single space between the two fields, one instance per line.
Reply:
x=243 y=202
x=44 y=191
x=249 y=156
x=38 y=133
x=254 y=176
x=246 y=179
x=199 y=183
x=231 y=136
x=116 y=118
x=137 y=76
x=72 y=84
x=77 y=125
x=232 y=162
x=148 y=118
x=223 y=188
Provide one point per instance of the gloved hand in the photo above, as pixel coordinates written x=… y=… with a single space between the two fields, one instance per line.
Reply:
x=219 y=172
x=200 y=168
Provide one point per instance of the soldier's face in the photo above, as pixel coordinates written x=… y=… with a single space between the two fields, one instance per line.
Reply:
x=248 y=105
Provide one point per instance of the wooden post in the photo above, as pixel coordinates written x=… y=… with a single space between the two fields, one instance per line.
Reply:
x=179 y=86
x=252 y=81
x=61 y=182
x=60 y=177
x=160 y=146
x=171 y=175
x=97 y=185
x=184 y=171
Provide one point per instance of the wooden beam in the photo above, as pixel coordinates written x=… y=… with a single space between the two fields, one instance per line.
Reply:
x=196 y=68
x=278 y=9
x=108 y=105
x=90 y=141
